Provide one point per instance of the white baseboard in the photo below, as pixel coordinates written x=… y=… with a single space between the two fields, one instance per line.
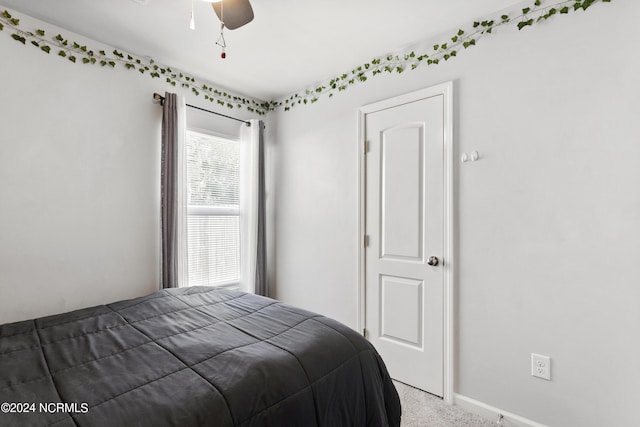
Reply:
x=492 y=413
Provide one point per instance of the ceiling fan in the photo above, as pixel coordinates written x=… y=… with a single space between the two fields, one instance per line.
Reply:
x=233 y=13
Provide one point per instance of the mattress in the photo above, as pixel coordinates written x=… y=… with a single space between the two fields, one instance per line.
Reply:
x=197 y=356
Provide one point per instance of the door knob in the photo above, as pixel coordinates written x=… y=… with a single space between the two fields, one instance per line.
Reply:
x=433 y=261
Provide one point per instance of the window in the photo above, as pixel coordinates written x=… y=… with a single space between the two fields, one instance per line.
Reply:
x=213 y=209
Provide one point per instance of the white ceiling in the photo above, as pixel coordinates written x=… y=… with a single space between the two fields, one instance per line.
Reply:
x=289 y=45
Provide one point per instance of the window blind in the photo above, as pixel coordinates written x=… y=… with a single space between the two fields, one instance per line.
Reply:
x=213 y=221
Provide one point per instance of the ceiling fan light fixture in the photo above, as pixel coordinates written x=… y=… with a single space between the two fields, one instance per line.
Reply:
x=192 y=21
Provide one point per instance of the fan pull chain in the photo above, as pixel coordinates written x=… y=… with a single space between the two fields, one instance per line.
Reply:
x=221 y=42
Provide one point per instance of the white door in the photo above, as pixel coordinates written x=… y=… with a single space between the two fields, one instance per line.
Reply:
x=404 y=205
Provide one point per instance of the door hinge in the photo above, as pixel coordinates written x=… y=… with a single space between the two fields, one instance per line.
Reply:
x=366 y=147
x=366 y=240
x=365 y=333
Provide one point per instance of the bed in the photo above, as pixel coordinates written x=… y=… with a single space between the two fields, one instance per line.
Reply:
x=196 y=356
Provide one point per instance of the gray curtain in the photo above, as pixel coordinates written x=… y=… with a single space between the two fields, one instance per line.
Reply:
x=261 y=286
x=169 y=190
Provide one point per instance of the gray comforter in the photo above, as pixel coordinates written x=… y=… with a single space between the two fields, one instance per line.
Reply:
x=192 y=357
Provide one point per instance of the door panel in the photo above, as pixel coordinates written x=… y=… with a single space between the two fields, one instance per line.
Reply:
x=399 y=321
x=404 y=222
x=402 y=215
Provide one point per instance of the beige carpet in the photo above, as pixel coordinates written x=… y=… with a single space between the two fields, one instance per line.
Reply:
x=423 y=409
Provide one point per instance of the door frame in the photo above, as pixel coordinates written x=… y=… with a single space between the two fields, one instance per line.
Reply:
x=446 y=90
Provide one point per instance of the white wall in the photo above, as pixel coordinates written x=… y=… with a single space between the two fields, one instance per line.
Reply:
x=548 y=220
x=79 y=179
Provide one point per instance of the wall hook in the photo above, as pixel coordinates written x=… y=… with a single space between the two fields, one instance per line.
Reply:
x=474 y=156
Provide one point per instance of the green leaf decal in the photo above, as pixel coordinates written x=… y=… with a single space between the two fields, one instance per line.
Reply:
x=393 y=62
x=526 y=23
x=19 y=38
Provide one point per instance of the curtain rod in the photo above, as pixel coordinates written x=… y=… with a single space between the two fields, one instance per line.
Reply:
x=160 y=98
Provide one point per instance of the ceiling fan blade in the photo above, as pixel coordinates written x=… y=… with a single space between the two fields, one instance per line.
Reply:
x=236 y=12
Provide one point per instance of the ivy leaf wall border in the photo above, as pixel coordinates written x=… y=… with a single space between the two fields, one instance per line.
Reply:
x=441 y=52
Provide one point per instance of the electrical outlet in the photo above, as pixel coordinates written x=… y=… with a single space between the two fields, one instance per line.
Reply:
x=541 y=366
